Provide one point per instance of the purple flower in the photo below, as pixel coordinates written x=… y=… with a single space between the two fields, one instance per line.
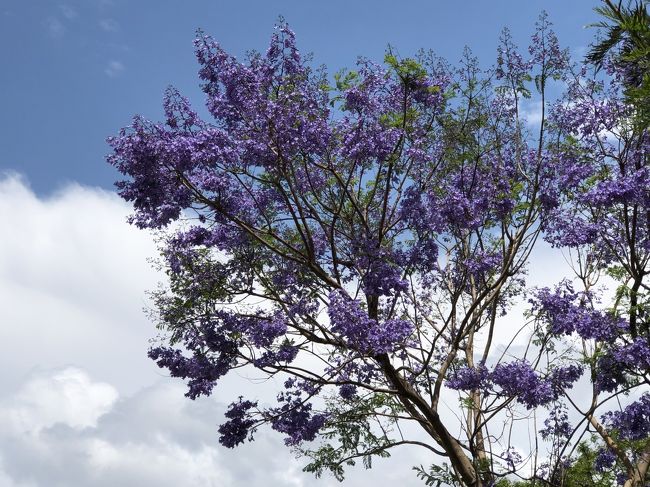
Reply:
x=347 y=391
x=236 y=429
x=512 y=458
x=633 y=422
x=518 y=379
x=283 y=355
x=620 y=361
x=202 y=372
x=557 y=424
x=605 y=460
x=468 y=378
x=296 y=420
x=365 y=334
x=566 y=312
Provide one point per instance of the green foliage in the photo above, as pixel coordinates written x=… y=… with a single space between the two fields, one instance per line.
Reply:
x=581 y=473
x=355 y=434
x=407 y=69
x=346 y=79
x=627 y=40
x=514 y=483
x=438 y=476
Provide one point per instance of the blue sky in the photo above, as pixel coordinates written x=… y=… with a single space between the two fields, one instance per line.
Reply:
x=80 y=403
x=75 y=71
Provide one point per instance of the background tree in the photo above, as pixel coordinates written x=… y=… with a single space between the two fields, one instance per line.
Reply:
x=626 y=42
x=605 y=219
x=362 y=243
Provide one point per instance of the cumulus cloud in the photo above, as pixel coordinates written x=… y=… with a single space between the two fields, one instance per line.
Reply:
x=80 y=433
x=73 y=275
x=532 y=112
x=80 y=404
x=62 y=425
x=61 y=397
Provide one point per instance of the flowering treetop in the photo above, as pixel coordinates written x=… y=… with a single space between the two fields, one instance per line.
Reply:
x=362 y=239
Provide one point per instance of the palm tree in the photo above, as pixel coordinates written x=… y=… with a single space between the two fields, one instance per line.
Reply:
x=627 y=43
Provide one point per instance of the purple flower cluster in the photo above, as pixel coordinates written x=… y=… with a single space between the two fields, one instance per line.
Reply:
x=459 y=200
x=605 y=460
x=298 y=422
x=566 y=312
x=562 y=378
x=545 y=50
x=633 y=422
x=285 y=354
x=566 y=229
x=511 y=66
x=620 y=361
x=468 y=378
x=347 y=391
x=381 y=274
x=482 y=264
x=236 y=429
x=517 y=379
x=201 y=369
x=556 y=425
x=365 y=334
x=263 y=332
x=294 y=417
x=512 y=458
x=630 y=189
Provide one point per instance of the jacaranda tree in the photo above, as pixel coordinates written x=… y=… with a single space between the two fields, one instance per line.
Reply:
x=363 y=239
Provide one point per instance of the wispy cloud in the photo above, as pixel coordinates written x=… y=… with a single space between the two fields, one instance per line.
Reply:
x=109 y=25
x=54 y=27
x=114 y=68
x=68 y=12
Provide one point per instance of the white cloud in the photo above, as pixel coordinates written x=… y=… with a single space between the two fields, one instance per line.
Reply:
x=66 y=396
x=73 y=274
x=88 y=407
x=54 y=27
x=114 y=68
x=63 y=425
x=68 y=12
x=80 y=403
x=532 y=112
x=159 y=463
x=155 y=437
x=109 y=25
